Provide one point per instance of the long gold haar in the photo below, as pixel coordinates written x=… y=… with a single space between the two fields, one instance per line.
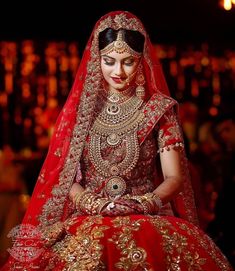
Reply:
x=117 y=122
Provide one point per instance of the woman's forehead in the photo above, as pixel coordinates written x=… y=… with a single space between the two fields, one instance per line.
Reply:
x=118 y=56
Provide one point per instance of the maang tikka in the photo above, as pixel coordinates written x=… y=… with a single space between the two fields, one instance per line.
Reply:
x=140 y=81
x=119 y=46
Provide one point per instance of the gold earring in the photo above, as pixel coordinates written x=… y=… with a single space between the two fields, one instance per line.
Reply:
x=140 y=81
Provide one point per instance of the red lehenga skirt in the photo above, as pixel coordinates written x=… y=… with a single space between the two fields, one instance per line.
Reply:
x=136 y=242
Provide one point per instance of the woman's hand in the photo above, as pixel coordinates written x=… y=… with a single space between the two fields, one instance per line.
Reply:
x=121 y=207
x=76 y=189
x=89 y=203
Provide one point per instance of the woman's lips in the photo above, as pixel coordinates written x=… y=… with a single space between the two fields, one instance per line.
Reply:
x=117 y=80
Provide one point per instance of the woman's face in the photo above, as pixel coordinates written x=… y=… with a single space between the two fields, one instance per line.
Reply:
x=119 y=69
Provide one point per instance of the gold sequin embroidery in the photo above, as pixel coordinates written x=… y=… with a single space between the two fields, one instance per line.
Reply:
x=132 y=256
x=83 y=251
x=176 y=247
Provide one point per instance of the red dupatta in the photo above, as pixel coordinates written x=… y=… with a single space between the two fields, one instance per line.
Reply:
x=50 y=202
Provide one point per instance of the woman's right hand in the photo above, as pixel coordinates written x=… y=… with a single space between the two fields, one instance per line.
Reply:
x=76 y=189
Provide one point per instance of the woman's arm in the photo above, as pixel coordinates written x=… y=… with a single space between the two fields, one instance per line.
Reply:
x=172 y=173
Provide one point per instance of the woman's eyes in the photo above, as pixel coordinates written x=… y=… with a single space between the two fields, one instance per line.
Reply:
x=109 y=62
x=127 y=62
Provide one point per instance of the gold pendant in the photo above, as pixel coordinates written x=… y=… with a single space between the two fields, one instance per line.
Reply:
x=113 y=109
x=115 y=186
x=113 y=139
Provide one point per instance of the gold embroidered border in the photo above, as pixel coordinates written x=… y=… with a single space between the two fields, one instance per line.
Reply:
x=153 y=111
x=53 y=208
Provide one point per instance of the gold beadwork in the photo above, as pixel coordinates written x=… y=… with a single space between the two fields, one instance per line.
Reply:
x=117 y=129
x=119 y=46
x=115 y=96
x=115 y=113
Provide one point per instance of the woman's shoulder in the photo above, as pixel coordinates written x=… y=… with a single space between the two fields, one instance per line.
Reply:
x=159 y=102
x=159 y=97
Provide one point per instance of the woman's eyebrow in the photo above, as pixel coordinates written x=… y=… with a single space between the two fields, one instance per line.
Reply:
x=115 y=59
x=108 y=57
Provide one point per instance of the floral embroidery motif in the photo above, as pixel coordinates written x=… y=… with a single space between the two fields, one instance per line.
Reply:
x=170 y=132
x=83 y=251
x=176 y=247
x=58 y=152
x=132 y=256
x=120 y=21
x=153 y=110
x=207 y=244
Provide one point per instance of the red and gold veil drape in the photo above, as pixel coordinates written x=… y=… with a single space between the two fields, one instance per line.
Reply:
x=50 y=202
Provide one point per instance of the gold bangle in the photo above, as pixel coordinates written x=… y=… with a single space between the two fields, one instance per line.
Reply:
x=150 y=202
x=103 y=204
x=83 y=202
x=76 y=198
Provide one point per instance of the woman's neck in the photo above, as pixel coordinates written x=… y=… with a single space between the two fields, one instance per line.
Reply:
x=119 y=96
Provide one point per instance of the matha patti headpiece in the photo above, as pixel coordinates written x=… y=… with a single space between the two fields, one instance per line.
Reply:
x=119 y=46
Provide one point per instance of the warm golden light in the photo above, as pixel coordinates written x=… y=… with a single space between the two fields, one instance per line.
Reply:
x=9 y=82
x=227 y=4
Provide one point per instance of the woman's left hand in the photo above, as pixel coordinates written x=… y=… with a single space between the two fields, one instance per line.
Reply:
x=121 y=207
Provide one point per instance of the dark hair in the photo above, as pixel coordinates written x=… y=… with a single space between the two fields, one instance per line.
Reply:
x=133 y=38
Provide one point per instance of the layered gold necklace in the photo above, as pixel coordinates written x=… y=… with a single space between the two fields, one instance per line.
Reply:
x=116 y=123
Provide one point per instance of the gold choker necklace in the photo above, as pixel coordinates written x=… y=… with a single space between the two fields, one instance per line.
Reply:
x=115 y=113
x=115 y=96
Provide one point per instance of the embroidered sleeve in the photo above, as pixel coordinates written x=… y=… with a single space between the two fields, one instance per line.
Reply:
x=169 y=132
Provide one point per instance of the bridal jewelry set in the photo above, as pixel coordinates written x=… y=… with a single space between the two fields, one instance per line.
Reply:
x=117 y=123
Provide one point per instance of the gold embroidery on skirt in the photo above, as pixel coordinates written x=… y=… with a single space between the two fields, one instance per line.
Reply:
x=132 y=256
x=176 y=247
x=207 y=244
x=83 y=251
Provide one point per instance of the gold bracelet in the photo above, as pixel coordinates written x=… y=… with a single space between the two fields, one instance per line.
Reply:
x=83 y=202
x=76 y=198
x=150 y=202
x=157 y=200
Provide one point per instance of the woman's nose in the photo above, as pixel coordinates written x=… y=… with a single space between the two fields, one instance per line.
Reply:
x=118 y=69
